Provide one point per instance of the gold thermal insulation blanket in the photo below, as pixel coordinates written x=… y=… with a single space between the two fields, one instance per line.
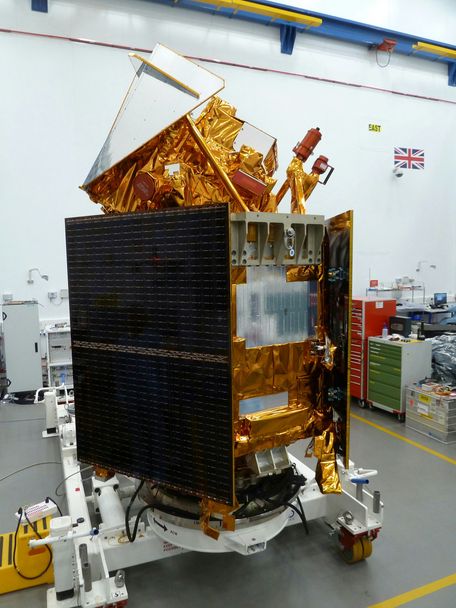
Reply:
x=298 y=368
x=171 y=169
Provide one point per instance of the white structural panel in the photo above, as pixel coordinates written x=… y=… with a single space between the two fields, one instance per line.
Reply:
x=154 y=102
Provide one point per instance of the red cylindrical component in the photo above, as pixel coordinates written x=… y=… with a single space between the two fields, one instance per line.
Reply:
x=144 y=186
x=320 y=165
x=305 y=148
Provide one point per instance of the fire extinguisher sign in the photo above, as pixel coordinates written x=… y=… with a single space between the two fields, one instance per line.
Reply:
x=375 y=128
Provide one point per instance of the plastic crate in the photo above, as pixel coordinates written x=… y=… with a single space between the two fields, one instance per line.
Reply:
x=431 y=414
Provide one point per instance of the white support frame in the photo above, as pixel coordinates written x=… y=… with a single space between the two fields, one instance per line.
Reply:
x=109 y=549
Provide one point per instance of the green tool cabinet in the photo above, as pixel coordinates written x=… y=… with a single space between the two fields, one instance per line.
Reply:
x=391 y=367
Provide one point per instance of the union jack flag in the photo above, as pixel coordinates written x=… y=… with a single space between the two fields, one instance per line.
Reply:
x=408 y=158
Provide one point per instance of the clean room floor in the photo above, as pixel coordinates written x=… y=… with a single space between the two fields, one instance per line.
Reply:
x=415 y=547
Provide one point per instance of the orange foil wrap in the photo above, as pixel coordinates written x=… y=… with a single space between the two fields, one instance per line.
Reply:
x=208 y=507
x=326 y=473
x=299 y=369
x=171 y=170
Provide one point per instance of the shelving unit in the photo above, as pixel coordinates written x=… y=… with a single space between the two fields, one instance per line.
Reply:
x=60 y=363
x=397 y=293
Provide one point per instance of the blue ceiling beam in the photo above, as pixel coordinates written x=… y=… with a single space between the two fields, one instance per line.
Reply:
x=40 y=6
x=336 y=28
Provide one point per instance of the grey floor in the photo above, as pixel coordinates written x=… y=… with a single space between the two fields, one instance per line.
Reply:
x=416 y=546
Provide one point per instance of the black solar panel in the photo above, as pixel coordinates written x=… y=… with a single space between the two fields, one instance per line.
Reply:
x=150 y=324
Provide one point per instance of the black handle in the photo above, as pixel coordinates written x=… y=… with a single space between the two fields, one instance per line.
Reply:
x=323 y=183
x=36 y=347
x=4 y=315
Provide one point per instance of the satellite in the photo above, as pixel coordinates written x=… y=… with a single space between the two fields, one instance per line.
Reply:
x=210 y=331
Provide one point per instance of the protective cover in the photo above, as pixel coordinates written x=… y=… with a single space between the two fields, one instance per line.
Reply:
x=150 y=314
x=444 y=358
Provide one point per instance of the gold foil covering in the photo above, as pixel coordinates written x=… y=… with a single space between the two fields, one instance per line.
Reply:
x=302 y=185
x=326 y=473
x=298 y=368
x=181 y=174
x=303 y=273
x=208 y=507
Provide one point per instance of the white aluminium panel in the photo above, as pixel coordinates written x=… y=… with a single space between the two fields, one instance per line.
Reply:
x=154 y=102
x=21 y=330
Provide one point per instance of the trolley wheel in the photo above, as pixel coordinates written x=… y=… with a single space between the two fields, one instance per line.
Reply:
x=353 y=554
x=401 y=417
x=362 y=403
x=360 y=550
x=367 y=547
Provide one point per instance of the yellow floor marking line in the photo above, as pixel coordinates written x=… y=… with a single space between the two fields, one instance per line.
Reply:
x=406 y=439
x=415 y=594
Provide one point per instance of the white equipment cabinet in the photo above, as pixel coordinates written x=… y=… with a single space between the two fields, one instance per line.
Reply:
x=21 y=333
x=59 y=359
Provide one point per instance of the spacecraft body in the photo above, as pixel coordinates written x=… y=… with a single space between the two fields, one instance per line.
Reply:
x=210 y=331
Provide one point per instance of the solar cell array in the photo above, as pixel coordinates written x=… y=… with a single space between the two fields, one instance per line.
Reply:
x=150 y=321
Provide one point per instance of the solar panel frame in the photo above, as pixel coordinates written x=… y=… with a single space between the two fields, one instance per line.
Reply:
x=150 y=307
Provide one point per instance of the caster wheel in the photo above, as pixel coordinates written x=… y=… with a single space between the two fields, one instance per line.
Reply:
x=401 y=417
x=353 y=554
x=367 y=547
x=361 y=549
x=362 y=404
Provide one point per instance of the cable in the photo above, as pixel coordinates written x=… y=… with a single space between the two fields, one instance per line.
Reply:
x=48 y=498
x=304 y=519
x=68 y=477
x=37 y=464
x=21 y=511
x=131 y=537
x=138 y=517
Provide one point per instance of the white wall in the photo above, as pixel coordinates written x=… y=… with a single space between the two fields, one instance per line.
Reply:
x=435 y=20
x=61 y=99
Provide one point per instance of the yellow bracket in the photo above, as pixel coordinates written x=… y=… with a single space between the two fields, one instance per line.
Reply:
x=265 y=11
x=435 y=50
x=159 y=72
x=30 y=562
x=201 y=143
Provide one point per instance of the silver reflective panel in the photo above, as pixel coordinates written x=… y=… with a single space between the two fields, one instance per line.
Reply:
x=265 y=402
x=157 y=97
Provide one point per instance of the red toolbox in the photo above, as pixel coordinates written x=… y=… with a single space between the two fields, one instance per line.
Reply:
x=368 y=318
